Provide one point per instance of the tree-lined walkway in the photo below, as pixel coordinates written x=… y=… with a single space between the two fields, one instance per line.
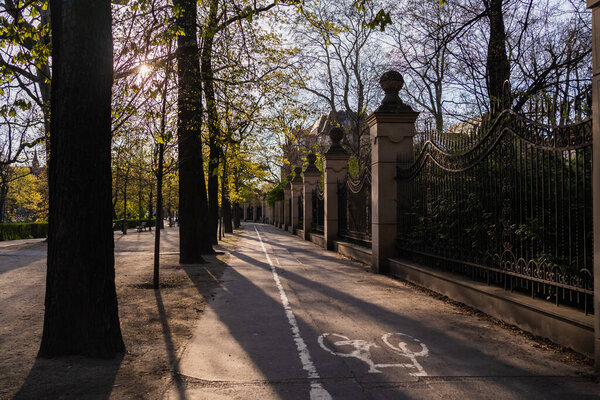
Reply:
x=293 y=321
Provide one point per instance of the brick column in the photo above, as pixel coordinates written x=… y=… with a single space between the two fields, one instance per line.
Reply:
x=336 y=168
x=286 y=201
x=392 y=127
x=311 y=180
x=296 y=188
x=595 y=6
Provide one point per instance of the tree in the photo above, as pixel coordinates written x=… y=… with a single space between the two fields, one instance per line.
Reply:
x=194 y=222
x=25 y=57
x=341 y=56
x=498 y=67
x=81 y=315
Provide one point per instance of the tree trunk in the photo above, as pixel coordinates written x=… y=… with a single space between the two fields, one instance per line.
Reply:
x=236 y=215
x=226 y=206
x=194 y=224
x=124 y=227
x=3 y=196
x=159 y=183
x=81 y=314
x=140 y=209
x=498 y=67
x=212 y=119
x=116 y=195
x=150 y=211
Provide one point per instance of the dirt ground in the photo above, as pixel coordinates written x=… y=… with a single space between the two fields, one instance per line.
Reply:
x=155 y=324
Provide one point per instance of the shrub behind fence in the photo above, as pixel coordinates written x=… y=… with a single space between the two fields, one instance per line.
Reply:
x=509 y=204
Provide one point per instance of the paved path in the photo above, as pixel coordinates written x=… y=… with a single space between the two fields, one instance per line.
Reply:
x=293 y=321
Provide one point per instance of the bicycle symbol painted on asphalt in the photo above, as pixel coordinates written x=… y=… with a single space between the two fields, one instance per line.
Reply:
x=399 y=343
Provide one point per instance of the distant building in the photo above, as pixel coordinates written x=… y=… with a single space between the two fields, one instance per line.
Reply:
x=36 y=169
x=316 y=138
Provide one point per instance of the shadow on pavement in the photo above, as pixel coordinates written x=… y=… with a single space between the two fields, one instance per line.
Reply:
x=451 y=348
x=70 y=378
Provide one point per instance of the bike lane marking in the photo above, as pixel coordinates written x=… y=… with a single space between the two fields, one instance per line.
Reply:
x=317 y=392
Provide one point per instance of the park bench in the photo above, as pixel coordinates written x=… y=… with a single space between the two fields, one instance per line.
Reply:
x=144 y=225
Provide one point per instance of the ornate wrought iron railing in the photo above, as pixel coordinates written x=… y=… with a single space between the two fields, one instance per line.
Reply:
x=318 y=211
x=354 y=209
x=510 y=205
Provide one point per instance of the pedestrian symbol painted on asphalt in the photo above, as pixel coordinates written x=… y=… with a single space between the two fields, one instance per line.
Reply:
x=399 y=343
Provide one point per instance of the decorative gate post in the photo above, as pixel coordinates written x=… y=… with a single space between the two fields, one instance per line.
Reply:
x=311 y=180
x=296 y=186
x=595 y=6
x=286 y=203
x=336 y=168
x=392 y=127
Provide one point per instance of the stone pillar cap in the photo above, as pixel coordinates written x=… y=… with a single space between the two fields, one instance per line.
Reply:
x=336 y=135
x=298 y=174
x=311 y=168
x=392 y=82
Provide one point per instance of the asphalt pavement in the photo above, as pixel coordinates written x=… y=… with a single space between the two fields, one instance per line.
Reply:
x=293 y=321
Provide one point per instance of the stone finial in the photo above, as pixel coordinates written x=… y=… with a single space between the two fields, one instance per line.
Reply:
x=311 y=167
x=336 y=135
x=297 y=174
x=392 y=82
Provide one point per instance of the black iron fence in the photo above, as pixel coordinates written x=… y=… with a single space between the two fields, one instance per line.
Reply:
x=318 y=210
x=507 y=203
x=354 y=209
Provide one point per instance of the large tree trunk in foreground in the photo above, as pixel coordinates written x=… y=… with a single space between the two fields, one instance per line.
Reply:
x=81 y=315
x=194 y=224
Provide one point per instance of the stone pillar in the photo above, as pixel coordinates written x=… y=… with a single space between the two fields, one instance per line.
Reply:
x=595 y=6
x=392 y=127
x=245 y=211
x=255 y=211
x=297 y=186
x=286 y=208
x=311 y=180
x=336 y=168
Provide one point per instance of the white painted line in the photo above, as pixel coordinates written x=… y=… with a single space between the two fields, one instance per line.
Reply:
x=317 y=392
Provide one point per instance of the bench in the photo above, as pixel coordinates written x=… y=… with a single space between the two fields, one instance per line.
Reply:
x=144 y=225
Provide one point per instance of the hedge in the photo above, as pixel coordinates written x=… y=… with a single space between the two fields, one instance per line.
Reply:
x=131 y=223
x=23 y=230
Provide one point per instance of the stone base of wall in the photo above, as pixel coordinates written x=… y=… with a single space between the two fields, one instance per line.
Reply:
x=563 y=325
x=317 y=239
x=354 y=251
x=300 y=233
